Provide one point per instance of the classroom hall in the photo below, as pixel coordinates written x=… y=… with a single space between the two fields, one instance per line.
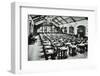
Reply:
x=53 y=37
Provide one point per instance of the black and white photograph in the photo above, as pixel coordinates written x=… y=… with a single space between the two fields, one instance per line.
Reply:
x=52 y=37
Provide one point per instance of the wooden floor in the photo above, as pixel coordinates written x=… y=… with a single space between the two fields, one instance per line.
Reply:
x=34 y=50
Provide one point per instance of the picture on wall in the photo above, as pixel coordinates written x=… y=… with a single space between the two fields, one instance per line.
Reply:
x=53 y=37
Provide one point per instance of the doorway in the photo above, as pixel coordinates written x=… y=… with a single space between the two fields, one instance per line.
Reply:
x=81 y=31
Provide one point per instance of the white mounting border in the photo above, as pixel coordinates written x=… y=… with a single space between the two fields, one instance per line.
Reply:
x=16 y=30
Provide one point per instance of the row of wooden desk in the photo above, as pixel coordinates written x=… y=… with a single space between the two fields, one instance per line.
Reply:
x=55 y=50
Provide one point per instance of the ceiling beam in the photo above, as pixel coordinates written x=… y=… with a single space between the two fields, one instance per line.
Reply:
x=63 y=19
x=35 y=17
x=58 y=20
x=73 y=19
x=55 y=22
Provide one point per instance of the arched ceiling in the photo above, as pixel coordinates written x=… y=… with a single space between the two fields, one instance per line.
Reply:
x=58 y=20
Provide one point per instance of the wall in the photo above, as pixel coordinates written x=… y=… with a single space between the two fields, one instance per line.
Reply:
x=5 y=36
x=75 y=25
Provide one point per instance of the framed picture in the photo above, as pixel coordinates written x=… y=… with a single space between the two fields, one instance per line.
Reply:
x=50 y=39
